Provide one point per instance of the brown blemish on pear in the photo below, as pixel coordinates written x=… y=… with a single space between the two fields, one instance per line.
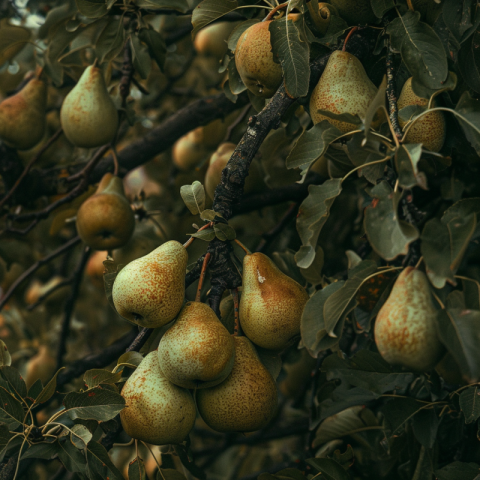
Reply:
x=156 y=411
x=149 y=291
x=271 y=305
x=246 y=401
x=405 y=329
x=197 y=351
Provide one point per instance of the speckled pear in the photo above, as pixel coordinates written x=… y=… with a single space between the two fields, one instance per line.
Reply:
x=429 y=129
x=156 y=411
x=271 y=305
x=405 y=329
x=344 y=87
x=89 y=117
x=198 y=351
x=246 y=401
x=254 y=61
x=105 y=220
x=149 y=291
x=22 y=116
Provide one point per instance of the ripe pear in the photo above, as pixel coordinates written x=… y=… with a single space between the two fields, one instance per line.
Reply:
x=405 y=329
x=198 y=351
x=355 y=12
x=271 y=305
x=246 y=400
x=188 y=152
x=212 y=40
x=105 y=220
x=156 y=410
x=344 y=87
x=149 y=291
x=41 y=366
x=254 y=61
x=429 y=129
x=22 y=116
x=88 y=115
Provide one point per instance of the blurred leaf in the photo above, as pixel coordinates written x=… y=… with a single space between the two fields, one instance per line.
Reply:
x=194 y=197
x=336 y=27
x=81 y=436
x=329 y=469
x=99 y=465
x=380 y=7
x=398 y=411
x=188 y=463
x=12 y=40
x=156 y=45
x=56 y=16
x=111 y=40
x=5 y=436
x=406 y=161
x=425 y=425
x=179 y=5
x=141 y=56
x=49 y=389
x=388 y=236
x=95 y=377
x=459 y=331
x=458 y=471
x=170 y=474
x=136 y=469
x=224 y=232
x=469 y=62
x=92 y=8
x=285 y=261
x=312 y=215
x=467 y=112
x=270 y=360
x=469 y=400
x=5 y=357
x=71 y=457
x=461 y=17
x=96 y=404
x=208 y=11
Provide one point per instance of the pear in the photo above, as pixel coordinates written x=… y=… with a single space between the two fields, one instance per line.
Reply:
x=41 y=366
x=22 y=116
x=246 y=401
x=344 y=87
x=89 y=117
x=429 y=129
x=149 y=291
x=188 y=152
x=198 y=351
x=405 y=329
x=156 y=411
x=254 y=61
x=105 y=220
x=355 y=12
x=272 y=303
x=212 y=40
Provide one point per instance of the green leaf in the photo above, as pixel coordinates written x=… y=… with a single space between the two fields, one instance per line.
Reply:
x=35 y=390
x=469 y=62
x=12 y=40
x=235 y=82
x=141 y=56
x=206 y=235
x=458 y=471
x=194 y=197
x=388 y=236
x=92 y=8
x=5 y=357
x=11 y=410
x=329 y=469
x=237 y=32
x=80 y=436
x=5 y=436
x=270 y=360
x=208 y=11
x=421 y=49
x=170 y=474
x=43 y=450
x=381 y=7
x=179 y=5
x=71 y=457
x=211 y=216
x=96 y=376
x=49 y=389
x=224 y=232
x=99 y=465
x=188 y=463
x=398 y=411
x=467 y=112
x=16 y=384
x=470 y=403
x=136 y=469
x=293 y=54
x=461 y=17
x=129 y=359
x=406 y=161
x=312 y=215
x=156 y=45
x=96 y=404
x=111 y=40
x=425 y=427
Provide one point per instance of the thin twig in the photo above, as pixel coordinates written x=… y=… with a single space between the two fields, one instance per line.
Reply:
x=202 y=276
x=391 y=94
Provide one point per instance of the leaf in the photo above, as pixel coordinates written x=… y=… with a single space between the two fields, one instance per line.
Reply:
x=16 y=384
x=461 y=17
x=224 y=232
x=80 y=436
x=381 y=7
x=189 y=464
x=206 y=235
x=5 y=357
x=293 y=54
x=96 y=404
x=156 y=45
x=5 y=436
x=208 y=11
x=99 y=464
x=111 y=40
x=11 y=410
x=312 y=215
x=469 y=62
x=96 y=376
x=35 y=390
x=425 y=427
x=129 y=359
x=212 y=216
x=421 y=49
x=398 y=411
x=311 y=145
x=235 y=82
x=71 y=457
x=406 y=161
x=49 y=389
x=458 y=471
x=170 y=474
x=92 y=8
x=329 y=469
x=136 y=469
x=270 y=360
x=467 y=112
x=141 y=56
x=43 y=450
x=179 y=5
x=194 y=197
x=469 y=400
x=237 y=32
x=459 y=331
x=12 y=40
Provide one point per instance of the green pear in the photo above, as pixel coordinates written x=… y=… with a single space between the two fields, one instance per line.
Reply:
x=149 y=291
x=246 y=401
x=344 y=87
x=156 y=411
x=271 y=305
x=405 y=329
x=254 y=61
x=429 y=129
x=355 y=12
x=188 y=152
x=198 y=351
x=105 y=220
x=212 y=40
x=89 y=117
x=22 y=116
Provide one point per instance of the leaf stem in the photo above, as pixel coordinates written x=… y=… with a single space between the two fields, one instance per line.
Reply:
x=202 y=276
x=243 y=247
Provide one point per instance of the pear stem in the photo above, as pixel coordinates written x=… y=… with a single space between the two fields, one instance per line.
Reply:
x=236 y=311
x=274 y=11
x=115 y=159
x=191 y=239
x=202 y=276
x=410 y=5
x=243 y=247
x=419 y=262
x=350 y=33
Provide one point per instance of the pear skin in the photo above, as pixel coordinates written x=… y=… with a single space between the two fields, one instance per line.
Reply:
x=22 y=116
x=105 y=220
x=271 y=305
x=212 y=40
x=149 y=291
x=429 y=129
x=89 y=117
x=198 y=351
x=344 y=87
x=405 y=329
x=254 y=61
x=246 y=401
x=156 y=410
x=187 y=152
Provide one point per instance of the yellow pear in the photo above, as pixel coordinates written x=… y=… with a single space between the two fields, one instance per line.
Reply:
x=246 y=401
x=254 y=61
x=344 y=87
x=156 y=411
x=22 y=116
x=297 y=375
x=405 y=329
x=429 y=129
x=88 y=115
x=198 y=351
x=212 y=40
x=355 y=12
x=188 y=152
x=149 y=291
x=271 y=305
x=105 y=220
x=41 y=366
